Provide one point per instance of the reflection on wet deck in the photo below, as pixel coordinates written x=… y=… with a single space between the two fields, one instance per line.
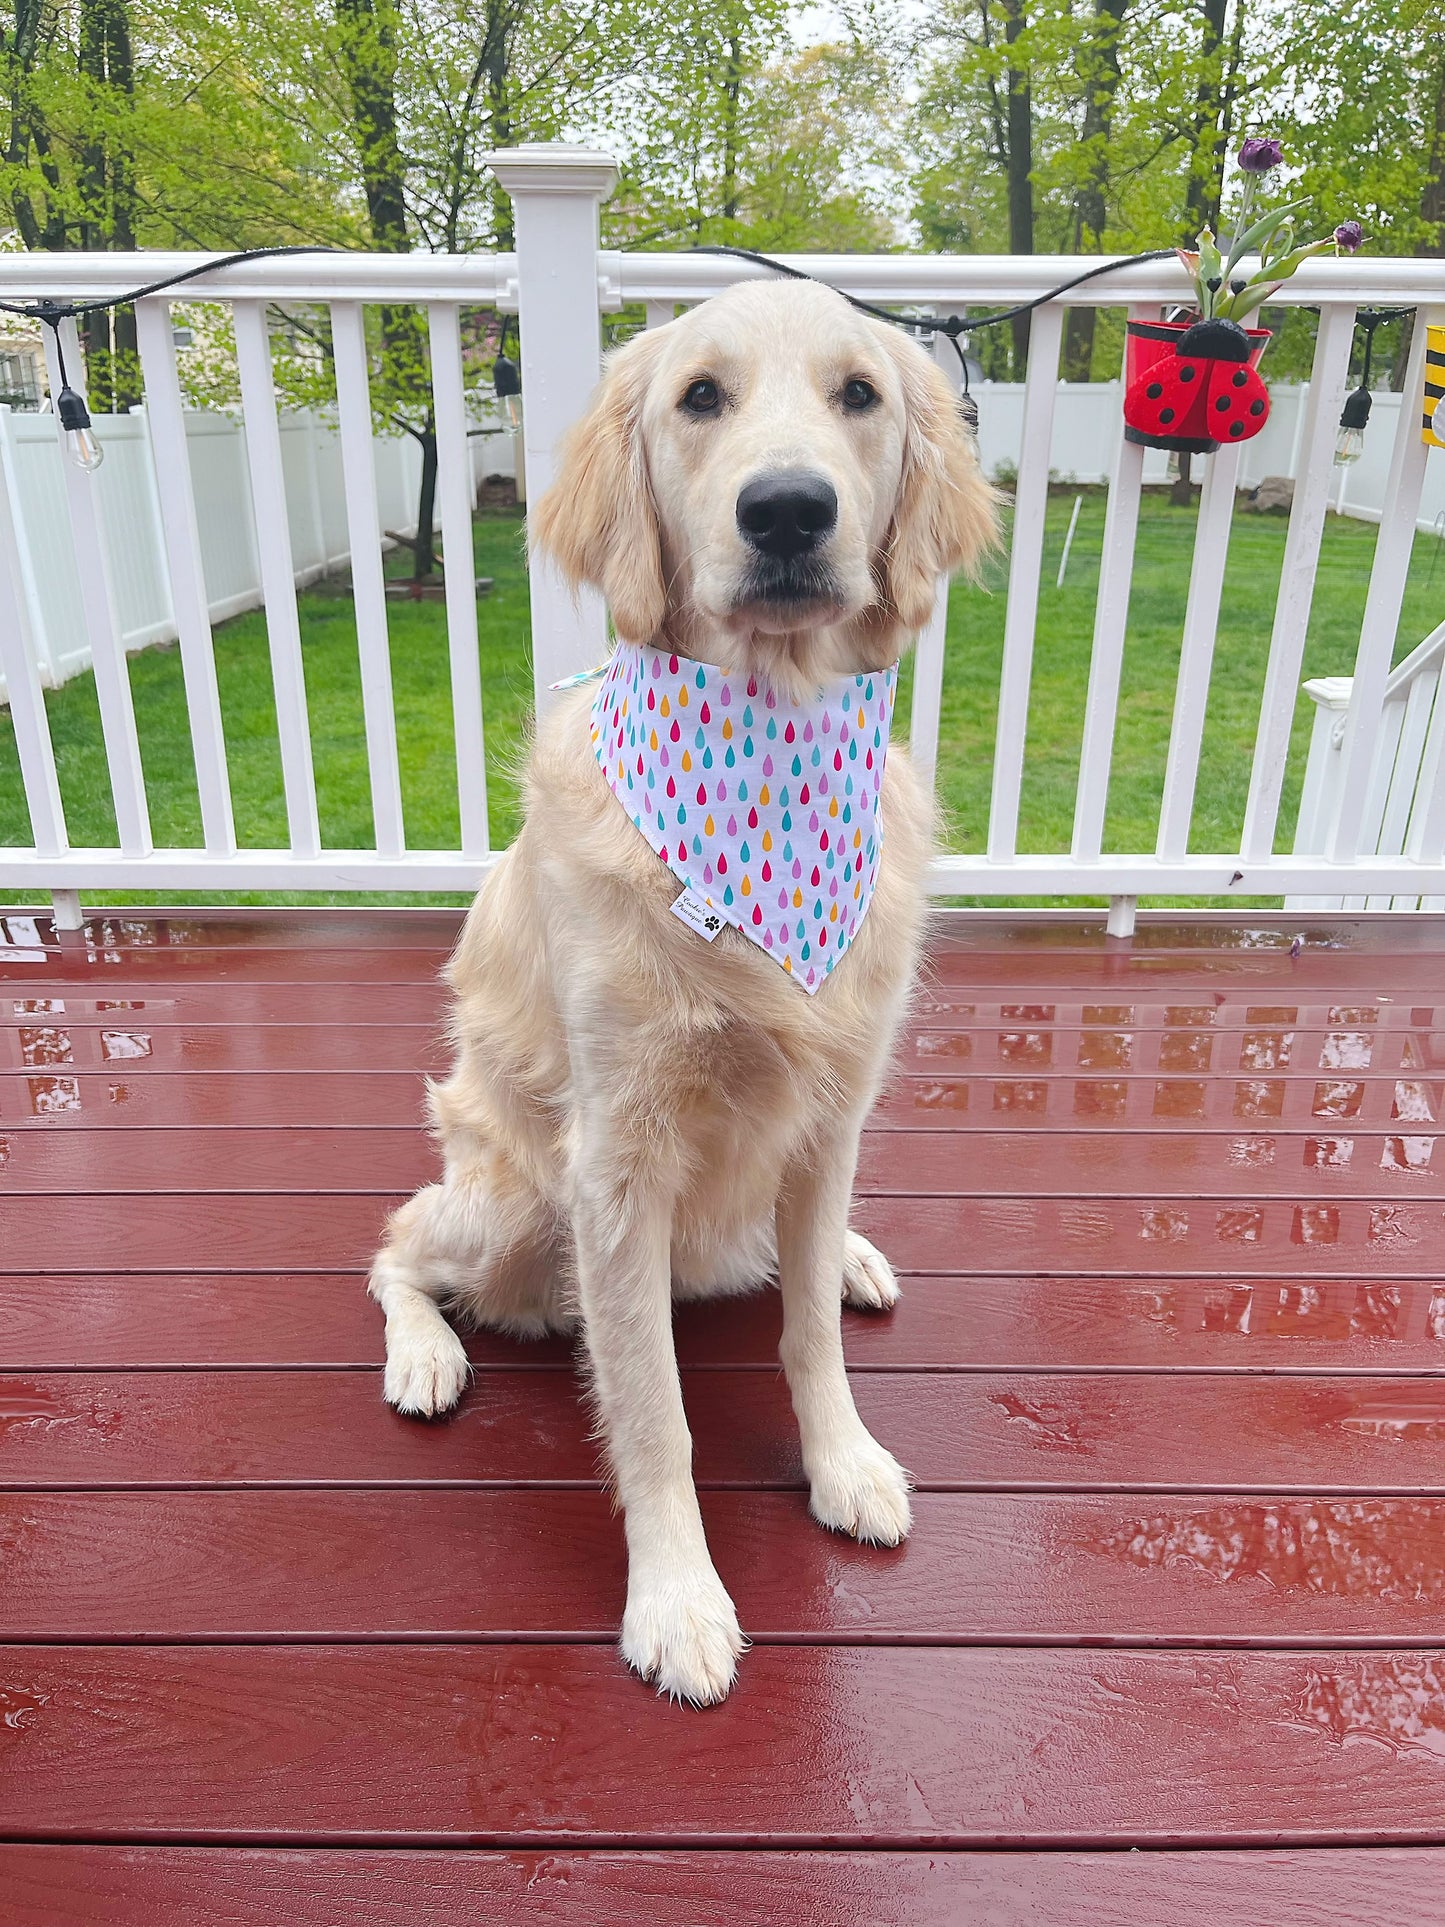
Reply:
x=1169 y=1365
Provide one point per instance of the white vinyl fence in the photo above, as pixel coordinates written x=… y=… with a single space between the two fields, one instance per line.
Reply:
x=559 y=282
x=1087 y=425
x=126 y=485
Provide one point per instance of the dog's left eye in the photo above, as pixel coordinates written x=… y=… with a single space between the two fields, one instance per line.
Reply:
x=859 y=394
x=702 y=398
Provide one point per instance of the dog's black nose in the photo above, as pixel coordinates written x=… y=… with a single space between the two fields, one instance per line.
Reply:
x=788 y=514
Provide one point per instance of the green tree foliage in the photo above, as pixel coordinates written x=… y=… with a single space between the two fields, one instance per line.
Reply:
x=1001 y=126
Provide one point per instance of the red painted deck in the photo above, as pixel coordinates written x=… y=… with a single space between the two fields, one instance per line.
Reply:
x=1169 y=1370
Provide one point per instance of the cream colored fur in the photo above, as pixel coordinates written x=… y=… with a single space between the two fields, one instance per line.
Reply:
x=636 y=1116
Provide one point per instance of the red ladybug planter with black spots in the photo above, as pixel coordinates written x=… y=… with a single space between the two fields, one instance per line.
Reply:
x=1193 y=386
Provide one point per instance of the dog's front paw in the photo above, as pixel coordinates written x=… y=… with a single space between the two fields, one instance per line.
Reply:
x=426 y=1369
x=862 y=1490
x=868 y=1281
x=680 y=1631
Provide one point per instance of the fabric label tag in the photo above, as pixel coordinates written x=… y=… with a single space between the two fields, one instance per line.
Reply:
x=698 y=914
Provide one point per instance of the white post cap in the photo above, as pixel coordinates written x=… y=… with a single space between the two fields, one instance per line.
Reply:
x=553 y=167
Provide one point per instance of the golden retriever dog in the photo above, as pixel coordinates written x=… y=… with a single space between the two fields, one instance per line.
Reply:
x=771 y=484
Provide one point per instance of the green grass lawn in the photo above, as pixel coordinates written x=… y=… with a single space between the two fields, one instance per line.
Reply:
x=975 y=632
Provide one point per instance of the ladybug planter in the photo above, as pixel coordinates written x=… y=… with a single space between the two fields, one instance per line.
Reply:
x=1192 y=386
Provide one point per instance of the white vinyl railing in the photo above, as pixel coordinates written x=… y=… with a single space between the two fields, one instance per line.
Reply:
x=559 y=282
x=1405 y=796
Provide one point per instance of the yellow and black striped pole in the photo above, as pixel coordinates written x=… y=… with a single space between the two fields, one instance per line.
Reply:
x=1430 y=434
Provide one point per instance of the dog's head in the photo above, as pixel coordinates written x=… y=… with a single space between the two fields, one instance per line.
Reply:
x=774 y=469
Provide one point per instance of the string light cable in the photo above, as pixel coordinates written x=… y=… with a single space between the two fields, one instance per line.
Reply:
x=70 y=406
x=951 y=326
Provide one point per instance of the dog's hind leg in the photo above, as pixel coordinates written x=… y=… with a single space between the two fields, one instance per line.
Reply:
x=868 y=1280
x=460 y=1245
x=426 y=1363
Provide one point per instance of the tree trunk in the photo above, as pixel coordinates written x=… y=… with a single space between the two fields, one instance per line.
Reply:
x=27 y=135
x=1432 y=215
x=107 y=196
x=368 y=58
x=1201 y=199
x=1020 y=163
x=732 y=93
x=425 y=549
x=94 y=223
x=501 y=22
x=1101 y=79
x=120 y=72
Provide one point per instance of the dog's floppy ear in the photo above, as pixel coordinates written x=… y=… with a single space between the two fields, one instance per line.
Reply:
x=598 y=521
x=945 y=517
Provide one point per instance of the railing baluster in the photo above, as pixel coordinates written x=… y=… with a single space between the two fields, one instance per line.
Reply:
x=165 y=420
x=455 y=493
x=659 y=313
x=368 y=586
x=1406 y=774
x=1386 y=594
x=97 y=600
x=1106 y=660
x=1425 y=838
x=1313 y=474
x=928 y=650
x=1382 y=776
x=25 y=695
x=1196 y=655
x=278 y=580
x=1031 y=501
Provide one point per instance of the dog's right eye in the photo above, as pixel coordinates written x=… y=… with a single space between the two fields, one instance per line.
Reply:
x=702 y=398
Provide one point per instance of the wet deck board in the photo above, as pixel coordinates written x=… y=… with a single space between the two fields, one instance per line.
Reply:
x=1169 y=1369
x=1374 y=1163
x=62 y=1886
x=880 y=1746
x=64 y=1097
x=1129 y=1569
x=1303 y=1236
x=88 y=1321
x=1076 y=1432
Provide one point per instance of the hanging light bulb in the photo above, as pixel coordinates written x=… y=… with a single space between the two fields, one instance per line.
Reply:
x=1350 y=442
x=80 y=439
x=1355 y=415
x=507 y=386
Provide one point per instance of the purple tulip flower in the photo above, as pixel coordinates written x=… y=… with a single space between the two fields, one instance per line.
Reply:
x=1349 y=237
x=1259 y=156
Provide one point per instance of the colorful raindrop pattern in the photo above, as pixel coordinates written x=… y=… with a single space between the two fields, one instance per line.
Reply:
x=765 y=807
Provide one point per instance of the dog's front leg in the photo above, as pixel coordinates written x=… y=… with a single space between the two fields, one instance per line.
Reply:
x=857 y=1487
x=680 y=1628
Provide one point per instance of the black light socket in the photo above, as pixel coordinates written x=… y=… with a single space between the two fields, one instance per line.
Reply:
x=72 y=410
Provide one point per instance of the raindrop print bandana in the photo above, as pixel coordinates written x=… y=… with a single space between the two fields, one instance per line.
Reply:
x=765 y=810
